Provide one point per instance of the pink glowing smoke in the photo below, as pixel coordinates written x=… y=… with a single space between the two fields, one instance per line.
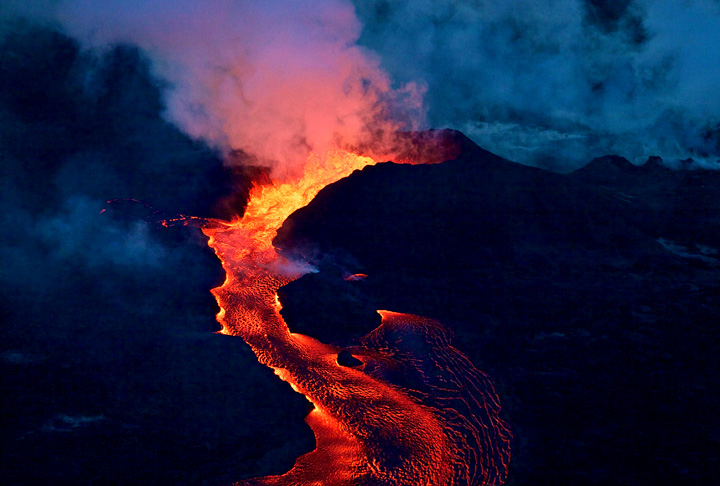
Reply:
x=275 y=79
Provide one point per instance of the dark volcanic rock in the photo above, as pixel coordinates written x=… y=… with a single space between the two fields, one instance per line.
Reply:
x=338 y=308
x=346 y=359
x=591 y=298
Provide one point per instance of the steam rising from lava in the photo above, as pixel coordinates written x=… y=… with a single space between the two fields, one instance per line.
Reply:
x=279 y=81
x=544 y=83
x=274 y=79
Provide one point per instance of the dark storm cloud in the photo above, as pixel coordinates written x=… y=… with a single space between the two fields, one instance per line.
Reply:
x=558 y=83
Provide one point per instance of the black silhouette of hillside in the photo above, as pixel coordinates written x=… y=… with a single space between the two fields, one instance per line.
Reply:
x=591 y=298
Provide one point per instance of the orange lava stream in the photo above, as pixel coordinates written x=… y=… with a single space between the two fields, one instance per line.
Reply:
x=369 y=430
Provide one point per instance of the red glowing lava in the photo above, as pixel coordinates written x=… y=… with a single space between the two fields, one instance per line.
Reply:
x=416 y=412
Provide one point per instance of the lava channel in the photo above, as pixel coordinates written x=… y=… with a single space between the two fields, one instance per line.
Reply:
x=415 y=412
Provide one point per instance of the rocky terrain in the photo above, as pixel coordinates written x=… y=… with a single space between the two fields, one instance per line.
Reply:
x=591 y=298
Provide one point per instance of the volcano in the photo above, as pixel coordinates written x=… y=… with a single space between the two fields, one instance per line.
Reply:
x=230 y=257
x=587 y=299
x=410 y=410
x=590 y=297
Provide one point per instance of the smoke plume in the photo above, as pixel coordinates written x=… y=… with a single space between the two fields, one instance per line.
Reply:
x=544 y=83
x=271 y=79
x=107 y=318
x=558 y=83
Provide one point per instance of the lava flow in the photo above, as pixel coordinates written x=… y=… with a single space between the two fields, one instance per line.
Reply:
x=415 y=412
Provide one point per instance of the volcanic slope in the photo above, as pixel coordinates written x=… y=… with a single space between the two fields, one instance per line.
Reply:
x=591 y=298
x=414 y=412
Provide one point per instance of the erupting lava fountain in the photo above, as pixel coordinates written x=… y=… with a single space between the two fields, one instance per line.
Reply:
x=416 y=412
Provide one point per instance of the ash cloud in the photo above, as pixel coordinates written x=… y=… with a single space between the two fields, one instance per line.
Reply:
x=558 y=83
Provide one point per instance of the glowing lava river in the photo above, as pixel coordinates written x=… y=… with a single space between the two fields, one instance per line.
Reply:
x=415 y=412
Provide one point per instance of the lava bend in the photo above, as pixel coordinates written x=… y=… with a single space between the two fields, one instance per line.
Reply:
x=416 y=412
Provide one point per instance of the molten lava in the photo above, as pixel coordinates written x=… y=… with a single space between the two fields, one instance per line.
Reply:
x=416 y=412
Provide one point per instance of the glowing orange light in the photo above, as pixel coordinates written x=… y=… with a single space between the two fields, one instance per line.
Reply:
x=368 y=430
